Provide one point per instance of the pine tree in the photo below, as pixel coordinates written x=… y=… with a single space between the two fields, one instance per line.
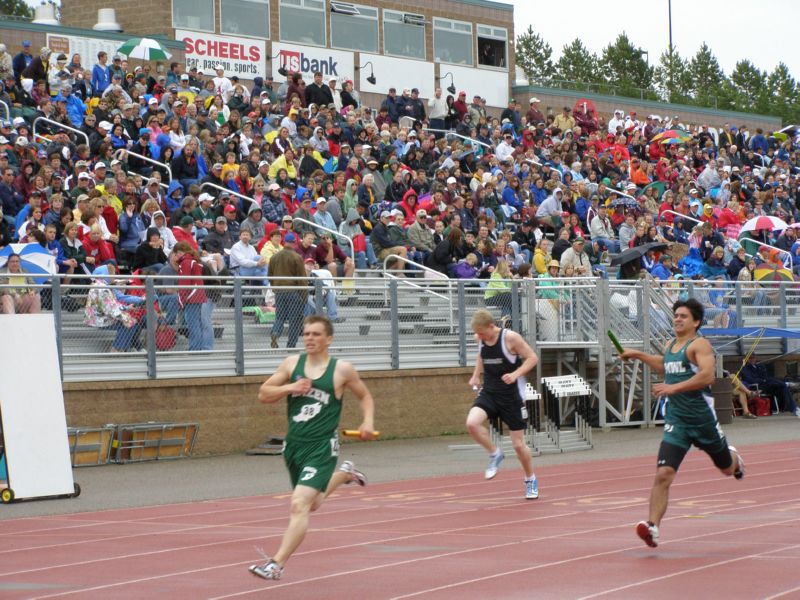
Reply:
x=534 y=56
x=783 y=93
x=15 y=8
x=749 y=88
x=671 y=78
x=624 y=68
x=706 y=77
x=577 y=67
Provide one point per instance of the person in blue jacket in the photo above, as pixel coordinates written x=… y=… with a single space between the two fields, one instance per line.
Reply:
x=101 y=75
x=131 y=226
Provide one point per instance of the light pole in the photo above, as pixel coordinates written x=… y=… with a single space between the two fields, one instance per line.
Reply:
x=671 y=64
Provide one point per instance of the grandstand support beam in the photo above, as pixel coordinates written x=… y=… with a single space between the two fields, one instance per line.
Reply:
x=739 y=315
x=515 y=305
x=238 y=305
x=394 y=321
x=56 y=299
x=152 y=322
x=646 y=374
x=784 y=318
x=462 y=324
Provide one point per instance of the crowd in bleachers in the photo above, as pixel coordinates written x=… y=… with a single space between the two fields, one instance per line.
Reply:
x=196 y=174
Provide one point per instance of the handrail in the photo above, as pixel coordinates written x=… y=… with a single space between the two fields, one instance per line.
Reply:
x=61 y=125
x=119 y=153
x=8 y=110
x=677 y=214
x=781 y=250
x=440 y=277
x=164 y=185
x=227 y=191
x=331 y=231
x=458 y=135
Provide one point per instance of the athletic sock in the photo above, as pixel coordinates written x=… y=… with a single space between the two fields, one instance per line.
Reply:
x=531 y=478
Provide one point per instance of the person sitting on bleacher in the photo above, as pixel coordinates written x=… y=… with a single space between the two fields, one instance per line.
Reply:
x=754 y=376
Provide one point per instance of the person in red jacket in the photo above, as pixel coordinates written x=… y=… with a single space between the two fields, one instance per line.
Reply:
x=197 y=308
x=98 y=251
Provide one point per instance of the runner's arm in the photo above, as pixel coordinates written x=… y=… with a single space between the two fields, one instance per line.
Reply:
x=354 y=383
x=280 y=384
x=475 y=380
x=520 y=347
x=654 y=361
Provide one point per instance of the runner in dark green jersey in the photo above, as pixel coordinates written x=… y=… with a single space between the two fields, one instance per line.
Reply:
x=314 y=383
x=689 y=417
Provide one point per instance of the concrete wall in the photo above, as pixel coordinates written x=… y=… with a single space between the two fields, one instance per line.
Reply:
x=419 y=403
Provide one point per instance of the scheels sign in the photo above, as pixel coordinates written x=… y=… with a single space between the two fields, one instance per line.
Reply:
x=238 y=56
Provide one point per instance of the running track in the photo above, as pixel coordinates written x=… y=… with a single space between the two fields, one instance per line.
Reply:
x=453 y=537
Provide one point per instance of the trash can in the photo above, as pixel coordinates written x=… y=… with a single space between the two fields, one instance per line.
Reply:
x=722 y=391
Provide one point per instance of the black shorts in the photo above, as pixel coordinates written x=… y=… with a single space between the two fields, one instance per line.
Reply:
x=510 y=409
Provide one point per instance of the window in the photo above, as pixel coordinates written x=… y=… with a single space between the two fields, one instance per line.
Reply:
x=354 y=27
x=303 y=21
x=197 y=15
x=403 y=36
x=492 y=44
x=452 y=42
x=245 y=17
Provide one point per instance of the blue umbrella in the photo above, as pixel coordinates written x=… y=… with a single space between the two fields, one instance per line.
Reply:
x=34 y=259
x=625 y=202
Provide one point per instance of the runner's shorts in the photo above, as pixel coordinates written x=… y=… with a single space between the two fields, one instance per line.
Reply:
x=311 y=463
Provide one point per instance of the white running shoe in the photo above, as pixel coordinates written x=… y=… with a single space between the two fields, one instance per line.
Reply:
x=739 y=472
x=348 y=467
x=269 y=570
x=532 y=489
x=494 y=464
x=648 y=532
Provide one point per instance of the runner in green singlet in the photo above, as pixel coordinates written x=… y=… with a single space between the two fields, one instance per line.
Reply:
x=689 y=417
x=314 y=383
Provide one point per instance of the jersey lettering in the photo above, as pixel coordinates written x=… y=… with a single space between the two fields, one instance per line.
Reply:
x=674 y=367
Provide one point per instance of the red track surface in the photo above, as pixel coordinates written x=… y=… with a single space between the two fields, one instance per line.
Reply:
x=453 y=537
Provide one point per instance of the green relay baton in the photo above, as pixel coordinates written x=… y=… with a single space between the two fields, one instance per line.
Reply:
x=615 y=341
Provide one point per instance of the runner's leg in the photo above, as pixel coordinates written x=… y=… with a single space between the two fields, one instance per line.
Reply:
x=523 y=452
x=476 y=425
x=303 y=498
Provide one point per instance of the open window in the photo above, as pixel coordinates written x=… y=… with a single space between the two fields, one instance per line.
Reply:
x=403 y=34
x=492 y=47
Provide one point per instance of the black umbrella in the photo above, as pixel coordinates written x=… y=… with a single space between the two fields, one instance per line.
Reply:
x=636 y=253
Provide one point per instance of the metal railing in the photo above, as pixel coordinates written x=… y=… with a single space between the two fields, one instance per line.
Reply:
x=59 y=125
x=227 y=191
x=8 y=110
x=161 y=184
x=126 y=152
x=458 y=135
x=788 y=254
x=438 y=279
x=680 y=216
x=331 y=231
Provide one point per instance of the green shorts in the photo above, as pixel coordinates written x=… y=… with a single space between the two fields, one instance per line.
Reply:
x=311 y=463
x=708 y=436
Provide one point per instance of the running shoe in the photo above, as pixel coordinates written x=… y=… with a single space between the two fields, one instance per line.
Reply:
x=269 y=570
x=494 y=464
x=531 y=489
x=739 y=472
x=348 y=467
x=648 y=532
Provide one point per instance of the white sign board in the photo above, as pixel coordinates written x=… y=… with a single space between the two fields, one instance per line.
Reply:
x=32 y=408
x=86 y=47
x=398 y=73
x=244 y=57
x=492 y=85
x=307 y=60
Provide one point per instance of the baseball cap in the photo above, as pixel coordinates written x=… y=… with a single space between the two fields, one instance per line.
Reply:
x=553 y=263
x=287 y=218
x=144 y=131
x=185 y=77
x=451 y=180
x=230 y=209
x=84 y=175
x=422 y=213
x=273 y=187
x=385 y=214
x=578 y=240
x=372 y=161
x=186 y=220
x=153 y=101
x=289 y=238
x=205 y=196
x=82 y=198
x=216 y=166
x=41 y=154
x=105 y=125
x=322 y=199
x=100 y=165
x=220 y=219
x=22 y=141
x=534 y=99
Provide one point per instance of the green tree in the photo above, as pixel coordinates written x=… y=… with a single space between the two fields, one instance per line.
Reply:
x=706 y=77
x=671 y=78
x=577 y=65
x=535 y=57
x=749 y=88
x=624 y=68
x=15 y=8
x=783 y=93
